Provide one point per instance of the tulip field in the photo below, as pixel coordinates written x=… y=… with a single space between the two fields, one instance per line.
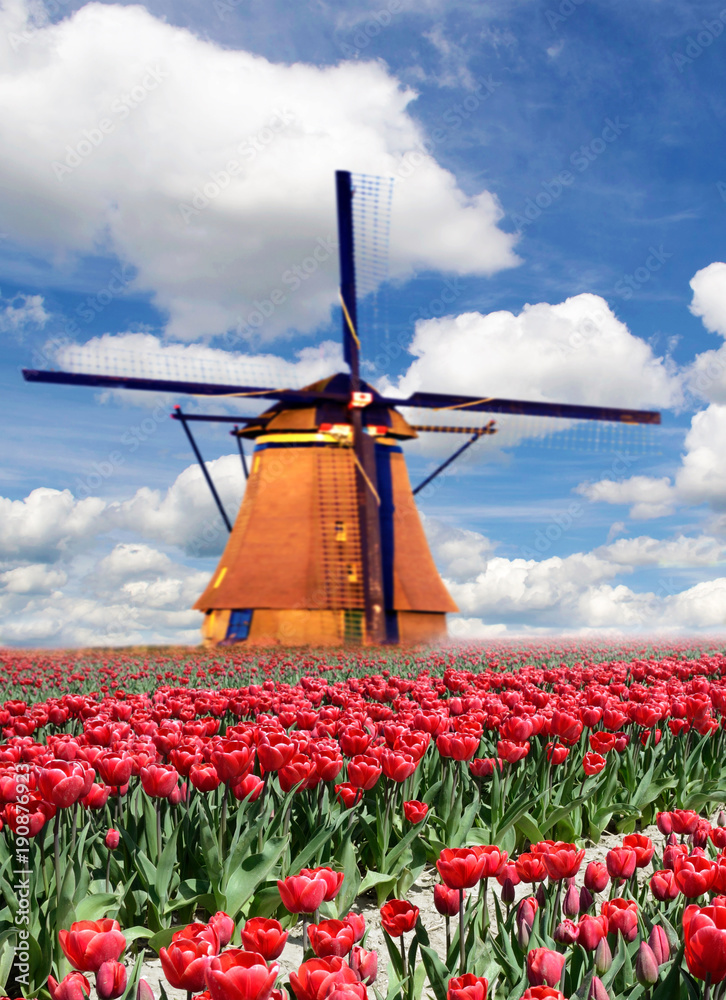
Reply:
x=406 y=825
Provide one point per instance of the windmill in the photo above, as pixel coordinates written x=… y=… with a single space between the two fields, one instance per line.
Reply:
x=328 y=546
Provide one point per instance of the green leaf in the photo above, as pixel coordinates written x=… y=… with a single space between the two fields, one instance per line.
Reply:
x=310 y=850
x=372 y=878
x=351 y=881
x=528 y=828
x=165 y=868
x=244 y=882
x=162 y=939
x=96 y=906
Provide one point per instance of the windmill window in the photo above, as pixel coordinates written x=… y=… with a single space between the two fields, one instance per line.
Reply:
x=340 y=531
x=352 y=574
x=239 y=624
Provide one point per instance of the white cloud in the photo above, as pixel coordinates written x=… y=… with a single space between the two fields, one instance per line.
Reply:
x=48 y=524
x=185 y=515
x=709 y=297
x=34 y=579
x=210 y=171
x=649 y=497
x=701 y=550
x=576 y=351
x=21 y=312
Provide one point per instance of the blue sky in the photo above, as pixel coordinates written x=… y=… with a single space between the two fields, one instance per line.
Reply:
x=557 y=233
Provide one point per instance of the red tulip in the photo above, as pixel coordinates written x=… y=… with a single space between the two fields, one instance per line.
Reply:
x=112 y=839
x=458 y=746
x=620 y=862
x=159 y=780
x=364 y=771
x=446 y=900
x=556 y=753
x=544 y=967
x=593 y=763
x=663 y=885
x=90 y=943
x=204 y=776
x=365 y=965
x=274 y=750
x=563 y=861
x=73 y=987
x=483 y=767
x=333 y=880
x=232 y=760
x=704 y=931
x=415 y=811
x=302 y=893
x=398 y=916
x=264 y=936
x=494 y=860
x=694 y=875
x=240 y=975
x=531 y=867
x=542 y=993
x=62 y=782
x=596 y=876
x=467 y=987
x=461 y=867
x=331 y=937
x=185 y=961
x=590 y=930
x=357 y=923
x=643 y=847
x=348 y=794
x=223 y=926
x=512 y=752
x=566 y=932
x=111 y=980
x=684 y=820
x=622 y=917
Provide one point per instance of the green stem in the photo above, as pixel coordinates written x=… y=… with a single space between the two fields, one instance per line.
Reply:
x=108 y=871
x=158 y=829
x=223 y=823
x=56 y=858
x=403 y=957
x=462 y=957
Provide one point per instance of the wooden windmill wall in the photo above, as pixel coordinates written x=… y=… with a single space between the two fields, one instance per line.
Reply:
x=294 y=555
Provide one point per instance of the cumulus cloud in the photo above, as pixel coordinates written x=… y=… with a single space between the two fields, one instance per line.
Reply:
x=709 y=297
x=650 y=497
x=700 y=478
x=185 y=515
x=547 y=352
x=48 y=524
x=200 y=167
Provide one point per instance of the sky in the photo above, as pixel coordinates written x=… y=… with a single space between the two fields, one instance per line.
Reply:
x=556 y=233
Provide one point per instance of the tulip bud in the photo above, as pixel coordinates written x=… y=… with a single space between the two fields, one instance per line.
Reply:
x=364 y=964
x=178 y=794
x=597 y=990
x=571 y=902
x=721 y=818
x=566 y=932
x=671 y=840
x=586 y=899
x=144 y=992
x=75 y=986
x=508 y=891
x=659 y=944
x=112 y=839
x=111 y=980
x=523 y=934
x=603 y=956
x=541 y=895
x=646 y=966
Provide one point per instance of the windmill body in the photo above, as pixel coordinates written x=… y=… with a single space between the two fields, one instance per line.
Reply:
x=293 y=570
x=328 y=547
